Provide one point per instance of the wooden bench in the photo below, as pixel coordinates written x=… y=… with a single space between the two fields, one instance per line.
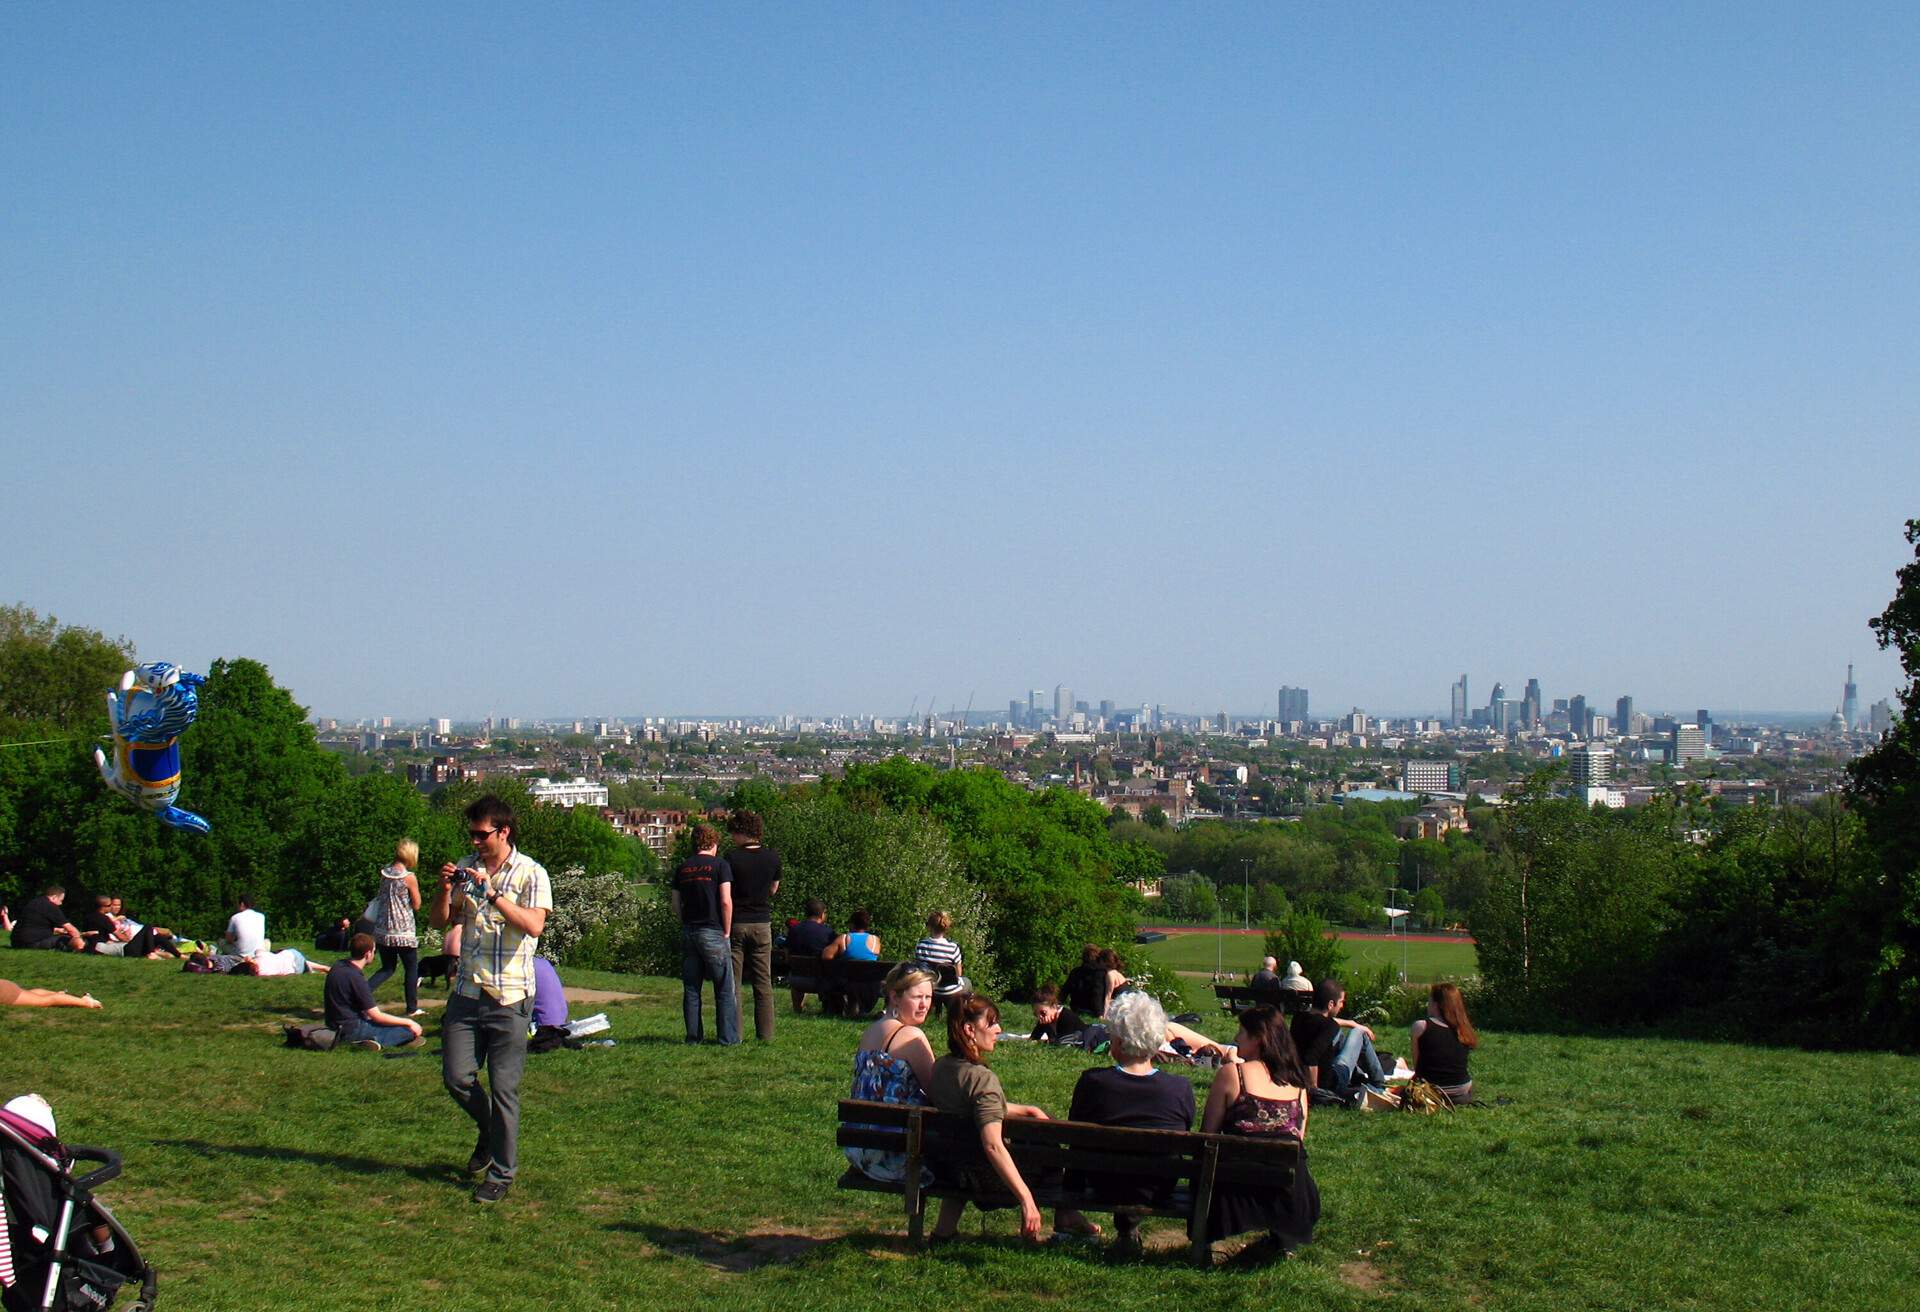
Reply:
x=1188 y=1167
x=841 y=976
x=1236 y=998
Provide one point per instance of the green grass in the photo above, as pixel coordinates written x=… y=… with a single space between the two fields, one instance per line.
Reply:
x=1240 y=954
x=1619 y=1173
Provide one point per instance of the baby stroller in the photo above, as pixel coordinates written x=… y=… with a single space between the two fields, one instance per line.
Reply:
x=60 y=1250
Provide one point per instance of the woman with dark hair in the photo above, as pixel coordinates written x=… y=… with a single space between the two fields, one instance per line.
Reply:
x=963 y=1085
x=1261 y=1093
x=1088 y=986
x=857 y=944
x=1441 y=1042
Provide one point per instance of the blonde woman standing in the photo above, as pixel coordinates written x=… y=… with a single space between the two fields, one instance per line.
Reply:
x=398 y=899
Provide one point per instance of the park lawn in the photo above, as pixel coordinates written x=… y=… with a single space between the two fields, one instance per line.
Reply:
x=1240 y=954
x=1604 y=1173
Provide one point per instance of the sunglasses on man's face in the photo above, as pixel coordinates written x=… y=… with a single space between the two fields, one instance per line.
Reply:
x=481 y=835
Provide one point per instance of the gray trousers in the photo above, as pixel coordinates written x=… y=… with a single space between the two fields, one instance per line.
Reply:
x=481 y=1032
x=753 y=964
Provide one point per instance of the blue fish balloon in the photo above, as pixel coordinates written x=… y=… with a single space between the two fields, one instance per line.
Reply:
x=153 y=706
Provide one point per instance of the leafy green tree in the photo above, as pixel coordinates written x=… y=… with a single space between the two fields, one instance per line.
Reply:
x=1309 y=940
x=1885 y=785
x=55 y=677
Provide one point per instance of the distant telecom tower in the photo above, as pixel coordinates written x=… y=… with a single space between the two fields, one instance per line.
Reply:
x=1850 y=702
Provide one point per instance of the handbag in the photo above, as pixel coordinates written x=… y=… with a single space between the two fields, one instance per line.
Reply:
x=1425 y=1098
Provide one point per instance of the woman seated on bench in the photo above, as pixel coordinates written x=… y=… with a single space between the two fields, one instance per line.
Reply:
x=894 y=1062
x=964 y=1086
x=1262 y=1093
x=1131 y=1092
x=856 y=945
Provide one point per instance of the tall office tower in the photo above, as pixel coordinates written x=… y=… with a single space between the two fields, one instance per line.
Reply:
x=1293 y=704
x=1850 y=701
x=1493 y=702
x=1577 y=722
x=1062 y=702
x=1015 y=713
x=1532 y=703
x=1704 y=719
x=1623 y=715
x=1036 y=699
x=1459 y=716
x=1590 y=766
x=1689 y=744
x=1106 y=708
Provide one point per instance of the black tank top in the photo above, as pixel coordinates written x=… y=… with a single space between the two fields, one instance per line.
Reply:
x=1443 y=1058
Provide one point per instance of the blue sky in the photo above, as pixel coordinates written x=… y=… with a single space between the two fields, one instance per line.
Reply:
x=616 y=359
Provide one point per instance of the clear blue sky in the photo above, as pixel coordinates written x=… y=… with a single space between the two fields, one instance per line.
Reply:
x=633 y=358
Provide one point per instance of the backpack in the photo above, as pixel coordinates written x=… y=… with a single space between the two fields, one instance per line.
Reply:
x=313 y=1038
x=1426 y=1098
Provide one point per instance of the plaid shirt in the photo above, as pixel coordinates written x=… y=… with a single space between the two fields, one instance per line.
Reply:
x=496 y=958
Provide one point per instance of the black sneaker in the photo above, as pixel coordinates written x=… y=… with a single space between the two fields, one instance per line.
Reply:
x=491 y=1191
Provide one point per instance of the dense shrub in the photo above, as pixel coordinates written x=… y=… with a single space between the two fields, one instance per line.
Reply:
x=597 y=921
x=1305 y=938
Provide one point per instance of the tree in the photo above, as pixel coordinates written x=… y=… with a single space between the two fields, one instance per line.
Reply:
x=55 y=676
x=1885 y=785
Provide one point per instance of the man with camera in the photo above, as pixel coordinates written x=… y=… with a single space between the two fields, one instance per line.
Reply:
x=499 y=897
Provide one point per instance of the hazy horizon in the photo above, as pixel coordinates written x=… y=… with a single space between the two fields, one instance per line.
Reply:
x=832 y=356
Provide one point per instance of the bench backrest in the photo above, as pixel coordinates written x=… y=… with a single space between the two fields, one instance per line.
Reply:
x=1239 y=997
x=840 y=970
x=1037 y=1145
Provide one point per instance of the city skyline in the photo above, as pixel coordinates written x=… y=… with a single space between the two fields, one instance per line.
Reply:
x=833 y=356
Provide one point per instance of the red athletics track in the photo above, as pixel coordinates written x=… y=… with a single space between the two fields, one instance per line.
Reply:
x=1361 y=936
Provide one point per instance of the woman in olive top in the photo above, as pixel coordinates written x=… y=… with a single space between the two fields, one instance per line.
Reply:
x=964 y=1086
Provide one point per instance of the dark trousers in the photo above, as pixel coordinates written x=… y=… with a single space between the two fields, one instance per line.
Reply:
x=409 y=960
x=704 y=956
x=753 y=964
x=480 y=1032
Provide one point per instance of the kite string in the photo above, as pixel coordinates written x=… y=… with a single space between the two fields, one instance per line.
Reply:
x=42 y=742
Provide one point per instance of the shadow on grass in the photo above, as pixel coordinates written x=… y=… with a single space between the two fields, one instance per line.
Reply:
x=439 y=1174
x=736 y=1253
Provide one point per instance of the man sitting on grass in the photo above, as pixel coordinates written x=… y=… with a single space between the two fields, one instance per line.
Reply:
x=1338 y=1053
x=353 y=1015
x=44 y=924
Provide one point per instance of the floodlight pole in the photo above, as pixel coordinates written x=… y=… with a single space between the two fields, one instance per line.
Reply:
x=1246 y=893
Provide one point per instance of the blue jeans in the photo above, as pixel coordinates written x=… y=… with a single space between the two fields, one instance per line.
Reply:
x=1353 y=1055
x=387 y=1036
x=706 y=955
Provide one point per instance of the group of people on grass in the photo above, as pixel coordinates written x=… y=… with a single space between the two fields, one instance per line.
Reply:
x=1268 y=1079
x=725 y=908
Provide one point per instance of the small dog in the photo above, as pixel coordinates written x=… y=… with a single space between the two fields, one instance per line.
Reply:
x=439 y=967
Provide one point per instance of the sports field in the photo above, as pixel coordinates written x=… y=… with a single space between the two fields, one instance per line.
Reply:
x=1239 y=954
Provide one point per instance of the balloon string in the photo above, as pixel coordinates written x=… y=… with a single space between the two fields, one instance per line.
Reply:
x=42 y=742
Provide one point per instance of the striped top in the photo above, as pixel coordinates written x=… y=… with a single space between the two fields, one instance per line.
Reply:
x=495 y=958
x=938 y=952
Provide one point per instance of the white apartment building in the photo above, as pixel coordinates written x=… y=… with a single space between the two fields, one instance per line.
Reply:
x=568 y=792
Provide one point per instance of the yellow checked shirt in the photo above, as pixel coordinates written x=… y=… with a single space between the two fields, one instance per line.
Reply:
x=496 y=958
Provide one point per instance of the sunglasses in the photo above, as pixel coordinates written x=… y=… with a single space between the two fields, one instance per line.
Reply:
x=481 y=835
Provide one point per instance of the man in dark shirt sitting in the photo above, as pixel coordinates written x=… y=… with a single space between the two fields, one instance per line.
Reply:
x=353 y=1015
x=756 y=878
x=806 y=939
x=43 y=924
x=1338 y=1053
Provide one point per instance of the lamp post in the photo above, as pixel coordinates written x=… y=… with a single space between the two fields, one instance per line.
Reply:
x=1246 y=893
x=1397 y=915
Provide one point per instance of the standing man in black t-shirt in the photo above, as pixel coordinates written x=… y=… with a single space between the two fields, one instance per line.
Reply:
x=756 y=878
x=703 y=899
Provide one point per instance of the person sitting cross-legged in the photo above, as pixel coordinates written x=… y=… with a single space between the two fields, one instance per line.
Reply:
x=351 y=1011
x=1338 y=1054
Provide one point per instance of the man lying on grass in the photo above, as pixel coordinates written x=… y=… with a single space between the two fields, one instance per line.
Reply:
x=352 y=1012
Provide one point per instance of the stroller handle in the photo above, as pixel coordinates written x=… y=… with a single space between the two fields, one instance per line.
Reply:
x=109 y=1168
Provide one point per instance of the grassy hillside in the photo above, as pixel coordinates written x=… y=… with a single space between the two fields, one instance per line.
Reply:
x=1612 y=1173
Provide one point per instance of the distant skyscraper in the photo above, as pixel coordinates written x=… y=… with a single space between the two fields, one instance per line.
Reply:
x=1880 y=719
x=1293 y=704
x=1704 y=718
x=1015 y=712
x=1591 y=767
x=1106 y=708
x=1623 y=715
x=1577 y=722
x=1532 y=703
x=1689 y=744
x=1062 y=702
x=1459 y=716
x=1493 y=702
x=1850 y=701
